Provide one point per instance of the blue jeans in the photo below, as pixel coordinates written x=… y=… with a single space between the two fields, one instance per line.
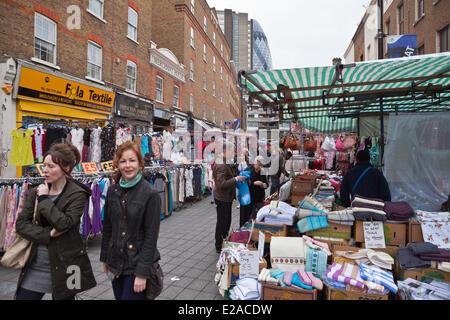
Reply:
x=123 y=288
x=25 y=294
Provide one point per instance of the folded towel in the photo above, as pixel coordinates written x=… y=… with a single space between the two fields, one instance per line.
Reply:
x=357 y=209
x=442 y=256
x=312 y=223
x=369 y=216
x=419 y=248
x=303 y=213
x=379 y=276
x=299 y=283
x=409 y=261
x=398 y=210
x=357 y=199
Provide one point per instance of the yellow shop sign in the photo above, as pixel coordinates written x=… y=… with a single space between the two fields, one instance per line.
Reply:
x=43 y=86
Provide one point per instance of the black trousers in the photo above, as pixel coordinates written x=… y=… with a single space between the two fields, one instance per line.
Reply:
x=223 y=221
x=245 y=213
x=275 y=184
x=25 y=294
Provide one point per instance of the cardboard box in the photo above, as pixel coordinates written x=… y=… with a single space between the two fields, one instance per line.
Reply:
x=414 y=232
x=333 y=230
x=420 y=273
x=299 y=187
x=233 y=271
x=274 y=292
x=394 y=233
x=332 y=245
x=339 y=294
x=297 y=198
x=269 y=230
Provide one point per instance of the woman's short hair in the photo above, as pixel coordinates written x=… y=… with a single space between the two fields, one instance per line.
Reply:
x=129 y=145
x=65 y=155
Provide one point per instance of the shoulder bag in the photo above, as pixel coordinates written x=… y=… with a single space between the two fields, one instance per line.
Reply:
x=17 y=254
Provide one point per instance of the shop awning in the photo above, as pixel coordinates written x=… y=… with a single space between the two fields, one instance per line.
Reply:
x=331 y=98
x=202 y=124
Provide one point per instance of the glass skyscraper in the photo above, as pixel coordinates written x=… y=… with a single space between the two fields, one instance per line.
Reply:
x=262 y=59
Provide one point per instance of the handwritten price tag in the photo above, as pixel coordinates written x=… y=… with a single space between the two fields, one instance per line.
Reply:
x=90 y=167
x=40 y=168
x=107 y=166
x=249 y=266
x=374 y=234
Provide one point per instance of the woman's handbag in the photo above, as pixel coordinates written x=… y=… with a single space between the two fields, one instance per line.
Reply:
x=291 y=143
x=155 y=284
x=16 y=256
x=310 y=144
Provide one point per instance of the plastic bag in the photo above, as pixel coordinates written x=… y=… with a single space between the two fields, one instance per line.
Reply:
x=243 y=189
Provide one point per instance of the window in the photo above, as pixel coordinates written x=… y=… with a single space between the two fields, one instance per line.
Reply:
x=94 y=61
x=204 y=51
x=214 y=63
x=221 y=94
x=214 y=88
x=176 y=96
x=214 y=38
x=388 y=27
x=132 y=23
x=192 y=70
x=420 y=9
x=204 y=110
x=221 y=50
x=159 y=89
x=204 y=80
x=193 y=6
x=401 y=24
x=192 y=37
x=44 y=39
x=204 y=23
x=214 y=114
x=131 y=76
x=191 y=102
x=443 y=40
x=221 y=73
x=96 y=7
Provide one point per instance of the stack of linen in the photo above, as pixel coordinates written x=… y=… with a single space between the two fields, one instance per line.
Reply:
x=367 y=209
x=277 y=212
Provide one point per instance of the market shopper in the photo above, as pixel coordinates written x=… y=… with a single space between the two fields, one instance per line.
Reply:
x=56 y=241
x=364 y=180
x=225 y=178
x=257 y=185
x=275 y=178
x=130 y=226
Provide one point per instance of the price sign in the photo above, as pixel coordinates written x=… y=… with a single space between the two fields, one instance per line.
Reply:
x=40 y=168
x=249 y=266
x=107 y=166
x=261 y=240
x=374 y=234
x=90 y=167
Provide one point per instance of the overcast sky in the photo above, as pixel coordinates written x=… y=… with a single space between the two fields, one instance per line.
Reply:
x=302 y=33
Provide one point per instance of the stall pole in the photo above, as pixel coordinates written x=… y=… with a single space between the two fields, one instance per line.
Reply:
x=382 y=128
x=380 y=30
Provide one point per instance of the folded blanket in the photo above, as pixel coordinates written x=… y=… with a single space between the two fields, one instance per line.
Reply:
x=398 y=210
x=369 y=216
x=314 y=244
x=341 y=217
x=311 y=223
x=419 y=248
x=442 y=256
x=357 y=199
x=303 y=213
x=409 y=261
x=357 y=209
x=379 y=276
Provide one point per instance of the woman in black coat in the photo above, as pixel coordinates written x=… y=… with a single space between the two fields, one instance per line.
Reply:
x=130 y=226
x=58 y=262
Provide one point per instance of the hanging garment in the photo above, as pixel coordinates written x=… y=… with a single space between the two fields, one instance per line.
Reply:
x=144 y=146
x=108 y=143
x=4 y=205
x=77 y=135
x=97 y=226
x=104 y=185
x=54 y=135
x=189 y=176
x=87 y=224
x=86 y=145
x=22 y=151
x=10 y=217
x=160 y=186
x=197 y=173
x=155 y=148
x=374 y=153
x=96 y=145
x=170 y=195
x=181 y=184
x=38 y=143
x=167 y=145
x=203 y=179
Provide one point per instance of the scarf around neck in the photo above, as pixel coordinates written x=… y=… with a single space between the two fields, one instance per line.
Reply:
x=131 y=183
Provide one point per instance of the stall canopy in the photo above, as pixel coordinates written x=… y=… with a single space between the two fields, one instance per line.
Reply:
x=332 y=98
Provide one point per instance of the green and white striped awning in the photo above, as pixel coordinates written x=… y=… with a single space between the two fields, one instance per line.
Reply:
x=310 y=96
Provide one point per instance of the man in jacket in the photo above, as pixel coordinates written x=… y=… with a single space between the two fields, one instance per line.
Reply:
x=225 y=179
x=364 y=180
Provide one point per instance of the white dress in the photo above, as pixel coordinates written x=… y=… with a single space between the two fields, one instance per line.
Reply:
x=96 y=151
x=189 y=175
x=38 y=143
x=167 y=145
x=77 y=138
x=181 y=185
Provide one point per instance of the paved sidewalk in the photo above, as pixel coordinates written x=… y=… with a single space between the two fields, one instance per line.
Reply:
x=186 y=244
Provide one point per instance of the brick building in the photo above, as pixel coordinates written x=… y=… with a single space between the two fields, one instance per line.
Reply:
x=190 y=29
x=428 y=19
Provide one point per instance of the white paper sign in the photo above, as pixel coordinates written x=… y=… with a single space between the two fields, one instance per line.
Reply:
x=374 y=234
x=249 y=266
x=262 y=239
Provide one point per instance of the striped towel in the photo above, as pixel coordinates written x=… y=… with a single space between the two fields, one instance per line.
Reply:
x=377 y=275
x=346 y=273
x=312 y=223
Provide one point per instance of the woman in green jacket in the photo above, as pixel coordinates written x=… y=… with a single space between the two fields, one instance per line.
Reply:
x=58 y=262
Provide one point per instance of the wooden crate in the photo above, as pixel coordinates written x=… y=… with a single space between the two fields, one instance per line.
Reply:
x=339 y=294
x=269 y=230
x=394 y=233
x=274 y=292
x=333 y=230
x=300 y=187
x=233 y=271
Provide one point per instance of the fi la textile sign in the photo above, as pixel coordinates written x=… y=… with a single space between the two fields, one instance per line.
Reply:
x=43 y=86
x=402 y=45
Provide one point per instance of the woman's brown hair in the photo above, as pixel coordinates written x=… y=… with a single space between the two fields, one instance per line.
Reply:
x=129 y=145
x=64 y=155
